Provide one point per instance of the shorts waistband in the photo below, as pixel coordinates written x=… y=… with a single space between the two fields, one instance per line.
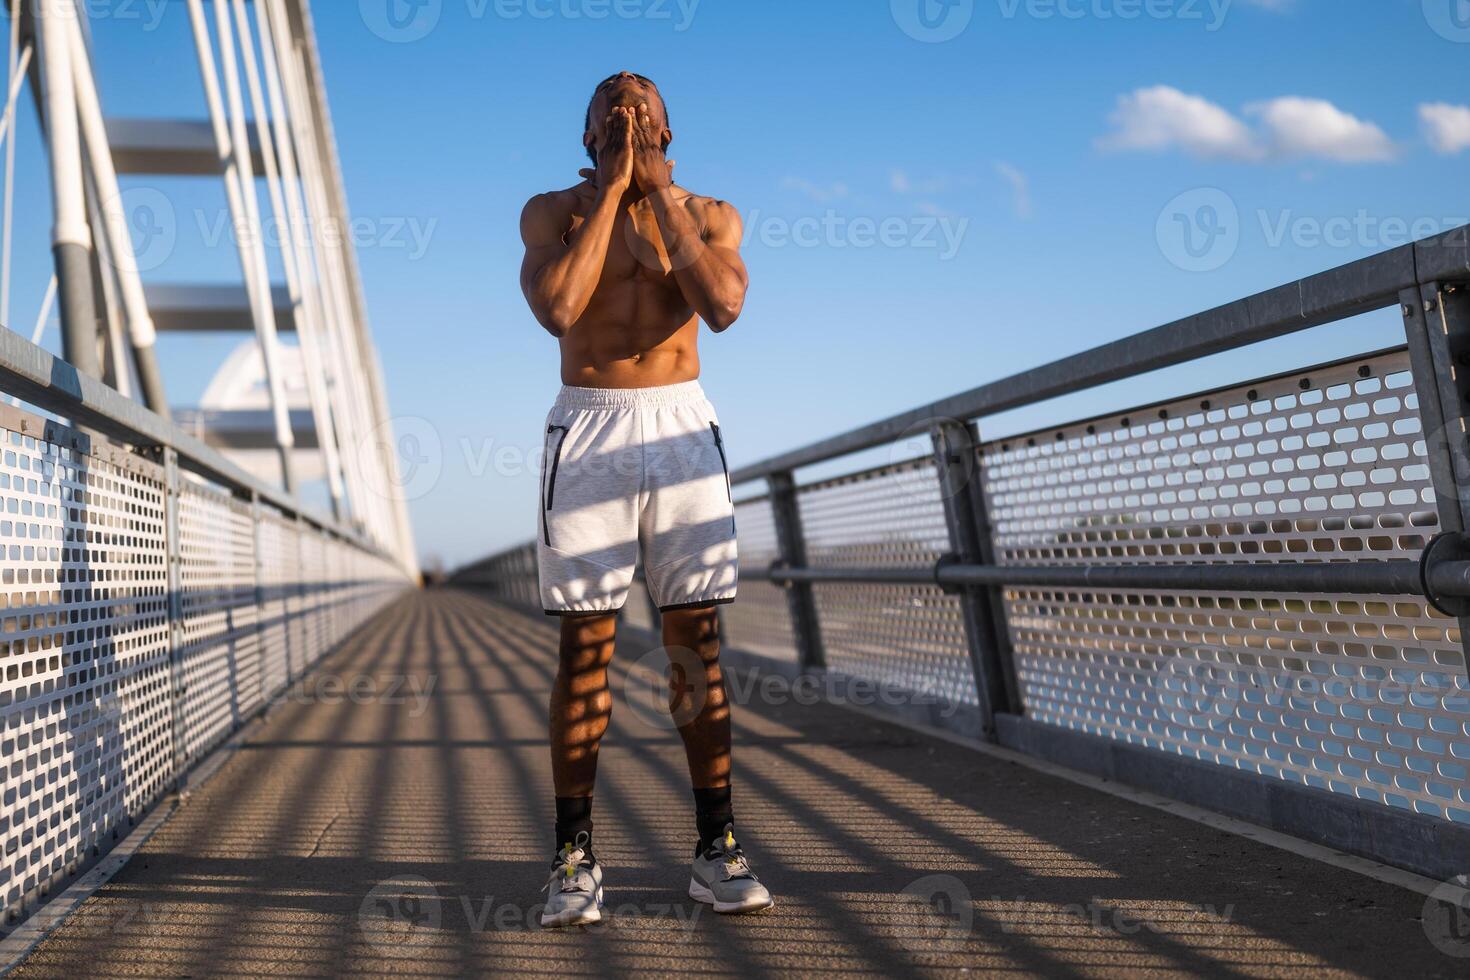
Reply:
x=594 y=399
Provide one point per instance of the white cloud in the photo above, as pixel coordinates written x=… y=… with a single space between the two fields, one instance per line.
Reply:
x=1298 y=127
x=1164 y=118
x=1446 y=126
x=1020 y=188
x=817 y=192
x=901 y=183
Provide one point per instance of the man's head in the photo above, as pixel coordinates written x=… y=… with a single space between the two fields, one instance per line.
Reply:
x=623 y=89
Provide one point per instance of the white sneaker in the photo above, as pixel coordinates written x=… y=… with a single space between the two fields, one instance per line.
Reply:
x=721 y=877
x=574 y=891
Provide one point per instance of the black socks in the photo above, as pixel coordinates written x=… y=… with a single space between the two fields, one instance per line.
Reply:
x=712 y=814
x=573 y=817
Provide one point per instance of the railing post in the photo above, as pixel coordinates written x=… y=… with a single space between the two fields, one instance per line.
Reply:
x=173 y=548
x=957 y=460
x=1437 y=326
x=791 y=545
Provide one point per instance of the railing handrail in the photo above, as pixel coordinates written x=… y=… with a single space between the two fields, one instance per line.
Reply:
x=34 y=375
x=1361 y=286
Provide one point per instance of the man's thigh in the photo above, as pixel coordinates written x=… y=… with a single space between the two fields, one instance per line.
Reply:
x=688 y=525
x=590 y=494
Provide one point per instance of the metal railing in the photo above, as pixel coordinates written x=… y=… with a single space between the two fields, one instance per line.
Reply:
x=1228 y=596
x=155 y=597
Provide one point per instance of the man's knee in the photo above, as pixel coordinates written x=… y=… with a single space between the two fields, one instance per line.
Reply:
x=697 y=627
x=587 y=642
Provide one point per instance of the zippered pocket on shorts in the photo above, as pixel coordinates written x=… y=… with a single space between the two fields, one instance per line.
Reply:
x=714 y=427
x=550 y=497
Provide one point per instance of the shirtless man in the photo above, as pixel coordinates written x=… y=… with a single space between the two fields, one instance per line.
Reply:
x=620 y=269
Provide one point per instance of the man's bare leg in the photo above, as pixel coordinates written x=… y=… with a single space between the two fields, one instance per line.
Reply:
x=702 y=711
x=719 y=875
x=580 y=708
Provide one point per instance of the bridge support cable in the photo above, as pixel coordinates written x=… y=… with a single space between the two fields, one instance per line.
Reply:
x=347 y=409
x=375 y=406
x=71 y=237
x=113 y=218
x=233 y=145
x=291 y=256
x=19 y=66
x=363 y=450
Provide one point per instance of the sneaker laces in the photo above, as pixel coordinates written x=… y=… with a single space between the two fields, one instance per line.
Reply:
x=734 y=866
x=568 y=874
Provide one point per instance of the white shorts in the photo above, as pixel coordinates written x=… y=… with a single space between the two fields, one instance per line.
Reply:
x=635 y=468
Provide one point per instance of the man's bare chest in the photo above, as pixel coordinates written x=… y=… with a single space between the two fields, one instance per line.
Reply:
x=637 y=249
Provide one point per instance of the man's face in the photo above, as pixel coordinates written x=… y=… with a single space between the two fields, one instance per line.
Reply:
x=627 y=90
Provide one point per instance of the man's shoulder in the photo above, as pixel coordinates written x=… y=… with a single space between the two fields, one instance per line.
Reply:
x=556 y=201
x=712 y=209
x=689 y=197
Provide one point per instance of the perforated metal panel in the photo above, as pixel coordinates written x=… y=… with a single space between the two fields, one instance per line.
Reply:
x=904 y=635
x=85 y=712
x=316 y=597
x=219 y=656
x=1365 y=697
x=108 y=684
x=759 y=620
x=279 y=586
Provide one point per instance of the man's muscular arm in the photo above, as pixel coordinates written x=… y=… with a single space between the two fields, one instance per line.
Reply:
x=706 y=260
x=559 y=276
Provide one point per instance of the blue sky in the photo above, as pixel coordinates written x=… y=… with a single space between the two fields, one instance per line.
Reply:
x=922 y=216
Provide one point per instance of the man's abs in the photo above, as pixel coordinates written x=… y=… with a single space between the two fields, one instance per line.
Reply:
x=632 y=335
